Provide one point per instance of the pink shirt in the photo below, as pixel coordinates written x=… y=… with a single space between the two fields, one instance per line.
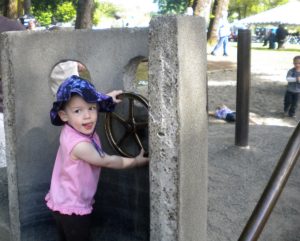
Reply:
x=74 y=182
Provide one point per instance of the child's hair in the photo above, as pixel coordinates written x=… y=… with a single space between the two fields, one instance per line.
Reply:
x=220 y=106
x=75 y=85
x=296 y=58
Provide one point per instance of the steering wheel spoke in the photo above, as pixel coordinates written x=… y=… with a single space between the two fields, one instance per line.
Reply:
x=129 y=134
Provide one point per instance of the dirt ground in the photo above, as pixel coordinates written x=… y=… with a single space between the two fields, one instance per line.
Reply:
x=268 y=83
x=238 y=176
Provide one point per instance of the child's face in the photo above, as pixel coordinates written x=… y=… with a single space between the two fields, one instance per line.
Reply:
x=297 y=64
x=80 y=114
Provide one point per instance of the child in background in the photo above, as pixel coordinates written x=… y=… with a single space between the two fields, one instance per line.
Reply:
x=223 y=112
x=293 y=88
x=80 y=156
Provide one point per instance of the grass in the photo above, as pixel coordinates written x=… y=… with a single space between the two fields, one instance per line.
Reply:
x=258 y=46
x=142 y=71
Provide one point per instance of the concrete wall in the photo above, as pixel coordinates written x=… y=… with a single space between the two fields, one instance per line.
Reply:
x=178 y=128
x=31 y=141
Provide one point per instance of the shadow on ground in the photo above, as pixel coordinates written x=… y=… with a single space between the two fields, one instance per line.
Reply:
x=237 y=178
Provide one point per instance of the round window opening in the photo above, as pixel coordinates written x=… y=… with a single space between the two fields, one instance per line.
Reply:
x=65 y=69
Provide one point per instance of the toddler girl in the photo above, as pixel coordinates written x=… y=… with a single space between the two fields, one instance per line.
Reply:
x=80 y=156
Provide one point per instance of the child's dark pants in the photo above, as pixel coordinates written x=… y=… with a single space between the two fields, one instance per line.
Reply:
x=73 y=227
x=290 y=102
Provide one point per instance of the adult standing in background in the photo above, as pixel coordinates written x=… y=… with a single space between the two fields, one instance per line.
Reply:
x=223 y=34
x=272 y=38
x=281 y=34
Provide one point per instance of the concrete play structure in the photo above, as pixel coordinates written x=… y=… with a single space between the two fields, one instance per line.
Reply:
x=164 y=201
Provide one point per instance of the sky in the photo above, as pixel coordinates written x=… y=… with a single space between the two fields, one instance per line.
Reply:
x=143 y=5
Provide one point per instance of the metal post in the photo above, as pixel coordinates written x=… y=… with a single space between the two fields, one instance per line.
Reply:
x=243 y=88
x=273 y=189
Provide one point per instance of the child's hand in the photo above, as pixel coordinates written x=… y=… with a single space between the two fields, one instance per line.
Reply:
x=298 y=79
x=140 y=159
x=114 y=94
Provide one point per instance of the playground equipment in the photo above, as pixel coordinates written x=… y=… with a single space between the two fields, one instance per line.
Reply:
x=176 y=200
x=272 y=191
x=127 y=127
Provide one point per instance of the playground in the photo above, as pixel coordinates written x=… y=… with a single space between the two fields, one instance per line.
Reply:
x=237 y=176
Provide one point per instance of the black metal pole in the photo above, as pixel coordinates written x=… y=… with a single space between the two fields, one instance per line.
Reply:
x=243 y=88
x=273 y=189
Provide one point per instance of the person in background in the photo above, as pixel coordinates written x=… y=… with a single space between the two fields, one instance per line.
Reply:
x=293 y=88
x=64 y=70
x=272 y=38
x=281 y=34
x=225 y=113
x=267 y=35
x=223 y=35
x=31 y=25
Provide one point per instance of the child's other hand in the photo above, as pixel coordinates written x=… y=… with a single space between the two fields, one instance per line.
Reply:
x=140 y=159
x=114 y=94
x=298 y=79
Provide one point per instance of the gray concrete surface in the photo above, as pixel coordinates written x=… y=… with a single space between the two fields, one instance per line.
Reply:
x=178 y=128
x=31 y=141
x=237 y=178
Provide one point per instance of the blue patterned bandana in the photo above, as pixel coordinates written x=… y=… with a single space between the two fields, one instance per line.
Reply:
x=82 y=87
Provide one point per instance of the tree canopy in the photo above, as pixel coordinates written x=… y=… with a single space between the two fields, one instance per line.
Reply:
x=237 y=9
x=47 y=11
x=172 y=6
x=211 y=9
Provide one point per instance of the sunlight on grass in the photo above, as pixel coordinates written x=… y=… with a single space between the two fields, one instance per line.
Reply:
x=259 y=46
x=142 y=72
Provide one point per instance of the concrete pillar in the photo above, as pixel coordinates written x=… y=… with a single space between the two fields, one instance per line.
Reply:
x=178 y=128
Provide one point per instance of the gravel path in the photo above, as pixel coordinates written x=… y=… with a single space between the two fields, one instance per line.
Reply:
x=268 y=84
x=237 y=176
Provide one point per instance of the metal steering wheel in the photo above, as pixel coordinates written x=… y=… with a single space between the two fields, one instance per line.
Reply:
x=126 y=127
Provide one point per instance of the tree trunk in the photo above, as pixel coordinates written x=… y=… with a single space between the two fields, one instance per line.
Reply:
x=84 y=14
x=11 y=8
x=202 y=8
x=27 y=5
x=218 y=7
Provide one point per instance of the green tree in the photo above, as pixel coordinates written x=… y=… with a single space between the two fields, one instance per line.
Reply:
x=172 y=6
x=41 y=5
x=46 y=11
x=104 y=10
x=84 y=14
x=65 y=12
x=43 y=17
x=218 y=7
x=10 y=8
x=239 y=9
x=26 y=6
x=202 y=8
